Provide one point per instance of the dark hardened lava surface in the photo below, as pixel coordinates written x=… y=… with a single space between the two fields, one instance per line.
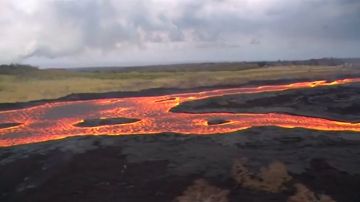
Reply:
x=336 y=103
x=159 y=168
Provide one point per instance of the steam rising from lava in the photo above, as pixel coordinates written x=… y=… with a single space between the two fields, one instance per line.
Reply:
x=61 y=119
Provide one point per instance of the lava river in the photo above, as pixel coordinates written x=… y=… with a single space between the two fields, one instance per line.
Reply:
x=59 y=120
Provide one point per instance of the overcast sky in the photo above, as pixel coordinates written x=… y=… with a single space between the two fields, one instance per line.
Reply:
x=66 y=33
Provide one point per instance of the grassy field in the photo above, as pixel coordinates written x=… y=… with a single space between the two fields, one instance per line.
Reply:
x=45 y=84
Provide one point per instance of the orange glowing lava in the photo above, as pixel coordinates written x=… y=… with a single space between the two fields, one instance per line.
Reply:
x=58 y=120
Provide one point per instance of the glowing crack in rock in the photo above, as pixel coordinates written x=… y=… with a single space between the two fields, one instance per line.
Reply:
x=59 y=120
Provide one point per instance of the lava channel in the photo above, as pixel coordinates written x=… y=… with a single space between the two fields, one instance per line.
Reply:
x=153 y=115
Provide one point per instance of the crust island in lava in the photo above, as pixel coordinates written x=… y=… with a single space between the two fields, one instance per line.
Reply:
x=59 y=120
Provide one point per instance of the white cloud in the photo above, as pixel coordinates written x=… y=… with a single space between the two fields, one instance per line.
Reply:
x=96 y=32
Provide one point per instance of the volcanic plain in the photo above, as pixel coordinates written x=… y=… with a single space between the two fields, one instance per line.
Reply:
x=288 y=135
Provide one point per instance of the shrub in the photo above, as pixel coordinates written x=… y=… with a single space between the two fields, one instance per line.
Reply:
x=271 y=179
x=202 y=191
x=303 y=194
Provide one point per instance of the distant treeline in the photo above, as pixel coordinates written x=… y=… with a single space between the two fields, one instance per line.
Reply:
x=193 y=67
x=225 y=66
x=319 y=62
x=17 y=69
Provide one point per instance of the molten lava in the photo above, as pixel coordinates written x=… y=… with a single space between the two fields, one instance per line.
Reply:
x=61 y=119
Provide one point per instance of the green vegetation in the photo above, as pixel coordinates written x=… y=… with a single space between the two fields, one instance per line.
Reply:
x=24 y=84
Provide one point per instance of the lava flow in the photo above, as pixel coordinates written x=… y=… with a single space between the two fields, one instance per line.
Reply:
x=58 y=120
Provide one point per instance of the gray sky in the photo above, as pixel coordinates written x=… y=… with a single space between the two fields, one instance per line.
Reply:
x=65 y=33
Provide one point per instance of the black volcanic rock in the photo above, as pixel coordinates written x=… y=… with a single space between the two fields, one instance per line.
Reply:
x=217 y=121
x=8 y=125
x=105 y=121
x=158 y=168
